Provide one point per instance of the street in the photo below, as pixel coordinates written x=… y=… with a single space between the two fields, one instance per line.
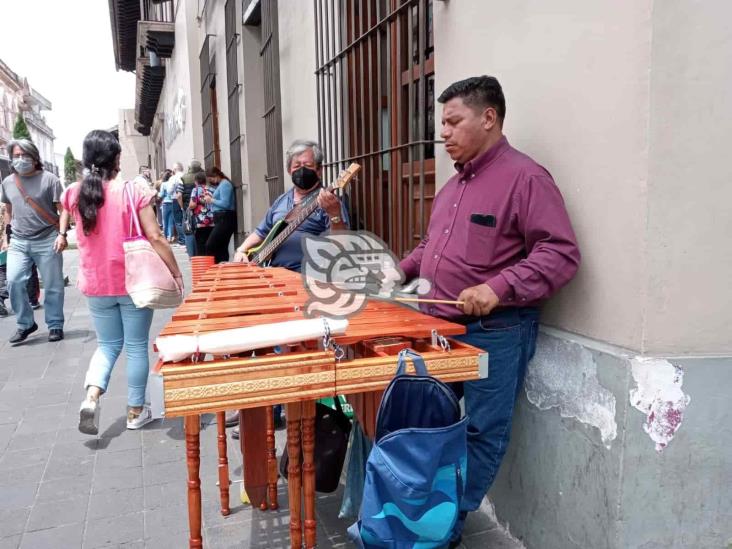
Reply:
x=62 y=489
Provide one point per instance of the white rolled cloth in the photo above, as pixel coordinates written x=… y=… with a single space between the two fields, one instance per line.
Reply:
x=228 y=342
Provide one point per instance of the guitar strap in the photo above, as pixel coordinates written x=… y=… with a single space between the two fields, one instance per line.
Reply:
x=295 y=211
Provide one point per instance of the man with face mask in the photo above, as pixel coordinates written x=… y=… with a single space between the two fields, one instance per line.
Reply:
x=31 y=197
x=304 y=163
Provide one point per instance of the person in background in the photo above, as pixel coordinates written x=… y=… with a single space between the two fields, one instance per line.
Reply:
x=101 y=208
x=223 y=202
x=500 y=241
x=202 y=211
x=166 y=201
x=175 y=183
x=31 y=197
x=183 y=196
x=33 y=287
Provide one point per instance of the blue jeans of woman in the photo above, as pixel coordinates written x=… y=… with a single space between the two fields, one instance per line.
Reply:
x=22 y=253
x=118 y=324
x=509 y=337
x=168 y=220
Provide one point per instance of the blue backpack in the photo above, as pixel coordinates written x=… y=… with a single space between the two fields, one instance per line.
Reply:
x=415 y=473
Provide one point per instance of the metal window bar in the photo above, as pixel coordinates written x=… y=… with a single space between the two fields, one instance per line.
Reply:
x=375 y=87
x=207 y=76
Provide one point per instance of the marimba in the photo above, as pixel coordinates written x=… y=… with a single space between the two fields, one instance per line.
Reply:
x=229 y=296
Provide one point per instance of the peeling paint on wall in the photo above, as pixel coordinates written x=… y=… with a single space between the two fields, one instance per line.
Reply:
x=563 y=375
x=659 y=396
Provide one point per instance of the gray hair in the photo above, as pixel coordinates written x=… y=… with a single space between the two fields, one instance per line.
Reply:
x=299 y=146
x=195 y=166
x=178 y=166
x=29 y=148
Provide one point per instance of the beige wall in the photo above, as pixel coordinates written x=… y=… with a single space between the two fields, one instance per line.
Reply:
x=182 y=73
x=575 y=76
x=297 y=74
x=627 y=105
x=135 y=147
x=689 y=300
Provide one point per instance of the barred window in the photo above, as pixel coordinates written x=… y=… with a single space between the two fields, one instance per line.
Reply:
x=375 y=84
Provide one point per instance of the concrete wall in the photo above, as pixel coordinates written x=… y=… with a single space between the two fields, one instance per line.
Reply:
x=621 y=439
x=182 y=76
x=582 y=470
x=135 y=147
x=688 y=302
x=297 y=74
x=575 y=76
x=254 y=159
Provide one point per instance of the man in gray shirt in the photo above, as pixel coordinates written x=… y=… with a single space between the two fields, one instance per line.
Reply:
x=32 y=197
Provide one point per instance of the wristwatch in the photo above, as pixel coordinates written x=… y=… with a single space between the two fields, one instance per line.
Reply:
x=335 y=219
x=63 y=233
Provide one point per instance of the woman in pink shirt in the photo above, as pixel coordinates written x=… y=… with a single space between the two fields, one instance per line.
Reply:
x=102 y=217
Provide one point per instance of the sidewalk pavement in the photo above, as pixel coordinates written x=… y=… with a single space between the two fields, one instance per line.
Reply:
x=127 y=489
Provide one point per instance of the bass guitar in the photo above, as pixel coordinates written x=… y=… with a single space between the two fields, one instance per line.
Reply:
x=263 y=253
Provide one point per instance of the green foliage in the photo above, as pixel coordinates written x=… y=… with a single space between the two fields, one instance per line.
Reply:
x=20 y=130
x=69 y=166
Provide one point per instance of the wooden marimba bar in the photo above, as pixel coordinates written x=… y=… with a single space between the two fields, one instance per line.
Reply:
x=228 y=296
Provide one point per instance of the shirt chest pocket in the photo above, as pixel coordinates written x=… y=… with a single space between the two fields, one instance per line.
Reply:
x=481 y=241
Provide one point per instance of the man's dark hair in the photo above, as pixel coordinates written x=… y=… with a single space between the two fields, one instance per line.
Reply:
x=478 y=92
x=200 y=177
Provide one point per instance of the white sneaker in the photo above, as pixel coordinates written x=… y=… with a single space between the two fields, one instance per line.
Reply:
x=89 y=416
x=135 y=421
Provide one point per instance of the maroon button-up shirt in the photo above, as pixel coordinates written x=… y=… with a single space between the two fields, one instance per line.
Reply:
x=501 y=221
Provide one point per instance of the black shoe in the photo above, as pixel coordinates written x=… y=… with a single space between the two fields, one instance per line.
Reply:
x=3 y=309
x=55 y=334
x=35 y=305
x=455 y=544
x=235 y=433
x=22 y=334
x=66 y=281
x=232 y=418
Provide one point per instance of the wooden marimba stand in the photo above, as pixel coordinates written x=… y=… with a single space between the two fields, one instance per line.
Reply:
x=230 y=296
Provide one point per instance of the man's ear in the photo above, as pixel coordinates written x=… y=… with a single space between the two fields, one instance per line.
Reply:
x=489 y=118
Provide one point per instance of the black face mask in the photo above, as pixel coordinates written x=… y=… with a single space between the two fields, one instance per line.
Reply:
x=305 y=178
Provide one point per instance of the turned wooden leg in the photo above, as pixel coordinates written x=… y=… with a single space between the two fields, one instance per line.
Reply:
x=293 y=473
x=308 y=470
x=272 y=473
x=223 y=463
x=193 y=459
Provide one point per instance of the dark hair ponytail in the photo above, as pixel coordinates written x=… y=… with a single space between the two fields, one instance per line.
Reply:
x=101 y=149
x=214 y=171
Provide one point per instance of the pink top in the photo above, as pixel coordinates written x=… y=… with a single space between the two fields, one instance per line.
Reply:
x=102 y=258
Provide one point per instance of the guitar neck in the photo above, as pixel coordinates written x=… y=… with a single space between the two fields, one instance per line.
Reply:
x=290 y=228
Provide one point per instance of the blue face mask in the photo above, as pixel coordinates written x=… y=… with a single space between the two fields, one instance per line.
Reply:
x=22 y=166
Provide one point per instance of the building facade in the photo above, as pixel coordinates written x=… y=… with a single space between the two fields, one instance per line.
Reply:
x=621 y=437
x=17 y=96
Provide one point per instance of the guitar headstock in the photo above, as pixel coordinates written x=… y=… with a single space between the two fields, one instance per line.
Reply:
x=346 y=175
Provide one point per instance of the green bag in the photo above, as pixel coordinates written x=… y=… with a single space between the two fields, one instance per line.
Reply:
x=347 y=408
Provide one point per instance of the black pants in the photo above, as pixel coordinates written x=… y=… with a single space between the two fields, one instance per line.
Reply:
x=33 y=286
x=217 y=244
x=201 y=235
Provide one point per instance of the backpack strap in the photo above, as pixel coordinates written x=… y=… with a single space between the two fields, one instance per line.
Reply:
x=419 y=365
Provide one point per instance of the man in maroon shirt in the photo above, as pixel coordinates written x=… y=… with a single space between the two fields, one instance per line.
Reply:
x=500 y=241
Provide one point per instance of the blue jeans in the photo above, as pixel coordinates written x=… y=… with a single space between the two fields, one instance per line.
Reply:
x=509 y=337
x=178 y=220
x=168 y=220
x=191 y=244
x=119 y=323
x=21 y=256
